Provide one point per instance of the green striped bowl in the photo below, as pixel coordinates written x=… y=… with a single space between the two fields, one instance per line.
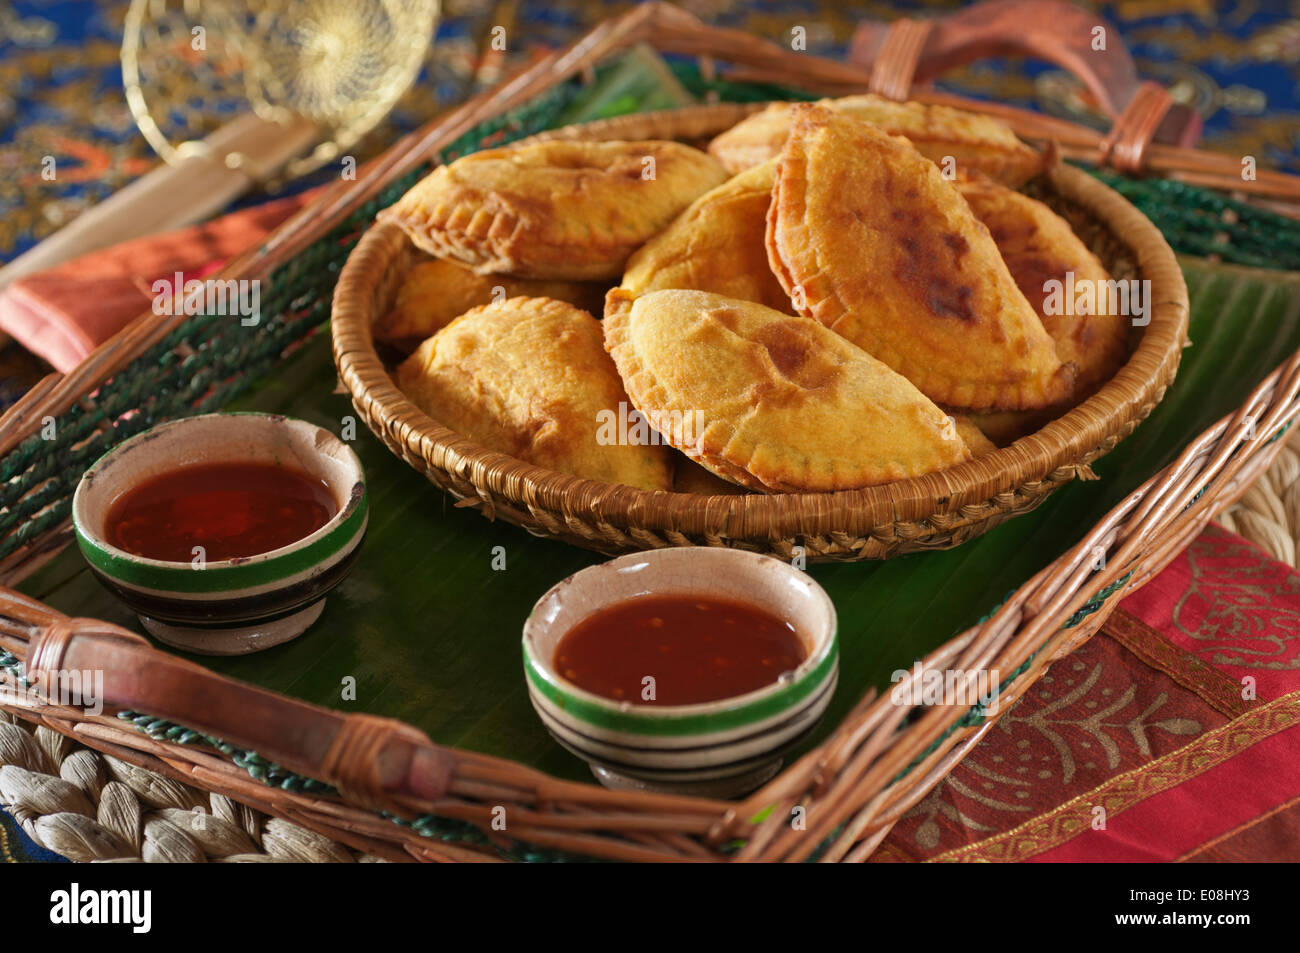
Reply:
x=232 y=606
x=716 y=749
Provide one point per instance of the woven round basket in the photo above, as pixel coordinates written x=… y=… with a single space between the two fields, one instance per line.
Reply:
x=934 y=511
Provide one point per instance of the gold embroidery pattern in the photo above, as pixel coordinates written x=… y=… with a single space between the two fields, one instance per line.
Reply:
x=1219 y=691
x=1112 y=713
x=1240 y=615
x=1125 y=790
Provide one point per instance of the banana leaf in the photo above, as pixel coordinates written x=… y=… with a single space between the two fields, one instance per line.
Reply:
x=430 y=630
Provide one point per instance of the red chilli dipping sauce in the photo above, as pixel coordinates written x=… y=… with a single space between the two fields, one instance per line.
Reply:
x=232 y=510
x=695 y=648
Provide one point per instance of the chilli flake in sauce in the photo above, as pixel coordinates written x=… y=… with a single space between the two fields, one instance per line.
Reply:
x=696 y=649
x=232 y=510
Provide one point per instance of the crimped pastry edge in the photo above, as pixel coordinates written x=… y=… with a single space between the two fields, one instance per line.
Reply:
x=981 y=396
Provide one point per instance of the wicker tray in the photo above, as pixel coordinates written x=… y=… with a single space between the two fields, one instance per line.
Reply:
x=934 y=511
x=341 y=774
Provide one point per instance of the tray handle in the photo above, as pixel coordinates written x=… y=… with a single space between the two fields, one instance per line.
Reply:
x=906 y=52
x=375 y=763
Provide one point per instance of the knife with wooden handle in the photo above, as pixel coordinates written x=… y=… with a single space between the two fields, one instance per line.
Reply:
x=233 y=159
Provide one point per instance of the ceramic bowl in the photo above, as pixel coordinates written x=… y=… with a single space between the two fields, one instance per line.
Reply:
x=231 y=606
x=715 y=749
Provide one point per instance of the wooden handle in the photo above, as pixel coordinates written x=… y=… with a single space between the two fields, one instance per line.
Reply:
x=907 y=52
x=374 y=762
x=172 y=196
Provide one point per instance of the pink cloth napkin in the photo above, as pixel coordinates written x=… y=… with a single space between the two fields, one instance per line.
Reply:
x=66 y=312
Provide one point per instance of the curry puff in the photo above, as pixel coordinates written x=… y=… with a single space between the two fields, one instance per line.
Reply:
x=529 y=377
x=436 y=291
x=975 y=439
x=572 y=210
x=690 y=477
x=868 y=237
x=974 y=143
x=1004 y=427
x=716 y=245
x=1044 y=256
x=787 y=405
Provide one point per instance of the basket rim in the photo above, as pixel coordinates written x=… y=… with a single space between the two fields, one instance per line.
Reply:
x=1067 y=443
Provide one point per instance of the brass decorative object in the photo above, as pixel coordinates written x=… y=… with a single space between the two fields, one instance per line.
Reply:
x=338 y=65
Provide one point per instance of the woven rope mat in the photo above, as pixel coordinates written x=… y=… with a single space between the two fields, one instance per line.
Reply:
x=89 y=806
x=1268 y=514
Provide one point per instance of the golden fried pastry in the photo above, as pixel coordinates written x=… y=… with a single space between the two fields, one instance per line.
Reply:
x=716 y=245
x=867 y=237
x=557 y=210
x=530 y=377
x=787 y=405
x=972 y=436
x=1005 y=427
x=1042 y=252
x=975 y=143
x=690 y=477
x=437 y=290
